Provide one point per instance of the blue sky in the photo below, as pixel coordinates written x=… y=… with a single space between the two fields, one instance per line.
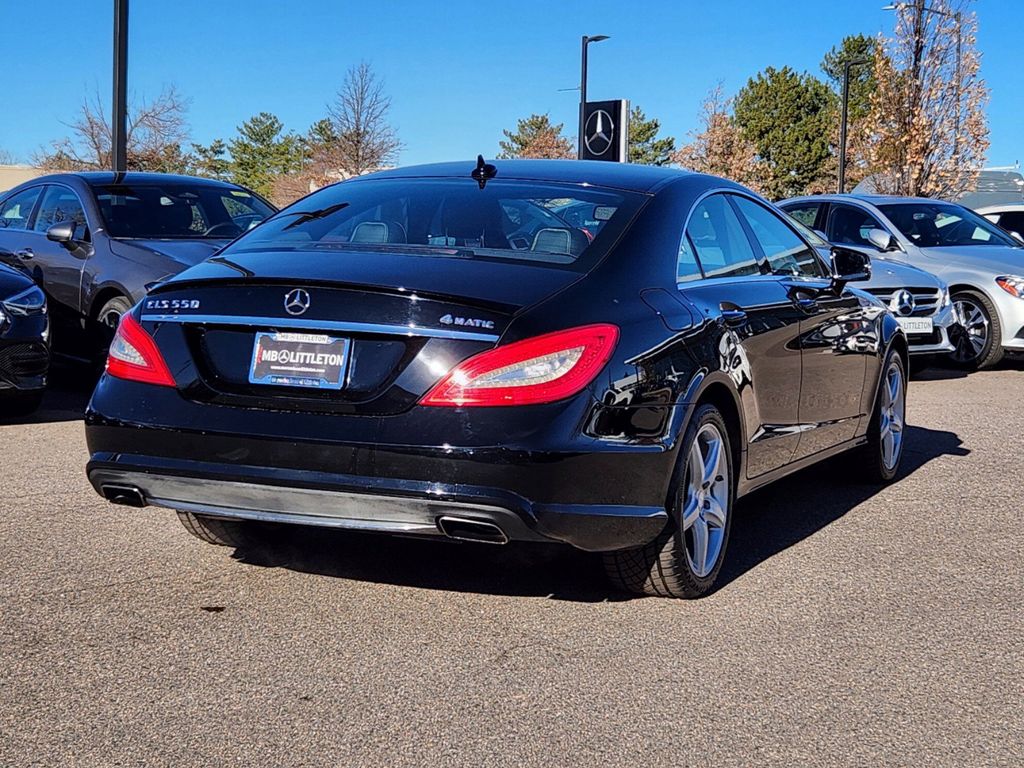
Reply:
x=458 y=71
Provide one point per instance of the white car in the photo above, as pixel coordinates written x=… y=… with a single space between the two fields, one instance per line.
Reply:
x=1009 y=216
x=983 y=265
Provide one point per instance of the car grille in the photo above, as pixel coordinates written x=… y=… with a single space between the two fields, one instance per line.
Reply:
x=24 y=360
x=926 y=300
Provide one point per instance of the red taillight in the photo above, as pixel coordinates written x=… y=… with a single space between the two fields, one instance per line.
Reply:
x=538 y=370
x=134 y=356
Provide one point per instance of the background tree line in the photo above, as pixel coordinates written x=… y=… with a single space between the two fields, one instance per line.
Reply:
x=917 y=125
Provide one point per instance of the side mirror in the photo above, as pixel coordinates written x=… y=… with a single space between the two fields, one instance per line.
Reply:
x=63 y=232
x=849 y=266
x=820 y=234
x=882 y=240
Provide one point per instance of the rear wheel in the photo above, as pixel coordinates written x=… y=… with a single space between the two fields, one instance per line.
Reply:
x=977 y=337
x=685 y=559
x=214 y=530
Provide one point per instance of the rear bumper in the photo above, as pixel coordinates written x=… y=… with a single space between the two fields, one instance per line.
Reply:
x=403 y=508
x=351 y=472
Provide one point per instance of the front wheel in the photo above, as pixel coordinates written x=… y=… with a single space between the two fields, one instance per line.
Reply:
x=107 y=320
x=978 y=335
x=685 y=559
x=886 y=433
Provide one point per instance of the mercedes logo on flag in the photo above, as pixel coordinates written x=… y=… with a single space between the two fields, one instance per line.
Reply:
x=296 y=301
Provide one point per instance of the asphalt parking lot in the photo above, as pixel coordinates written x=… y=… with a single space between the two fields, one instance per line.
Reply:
x=854 y=626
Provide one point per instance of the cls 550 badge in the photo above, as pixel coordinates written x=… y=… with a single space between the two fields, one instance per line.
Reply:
x=171 y=304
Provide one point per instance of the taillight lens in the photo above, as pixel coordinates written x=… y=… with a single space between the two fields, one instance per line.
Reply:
x=538 y=370
x=134 y=356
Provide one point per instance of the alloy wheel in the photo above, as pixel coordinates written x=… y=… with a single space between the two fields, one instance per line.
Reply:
x=707 y=500
x=894 y=405
x=974 y=331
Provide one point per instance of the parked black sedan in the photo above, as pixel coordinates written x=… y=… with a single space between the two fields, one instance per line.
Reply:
x=383 y=356
x=24 y=343
x=95 y=241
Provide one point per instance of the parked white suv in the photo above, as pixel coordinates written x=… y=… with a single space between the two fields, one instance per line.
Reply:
x=983 y=265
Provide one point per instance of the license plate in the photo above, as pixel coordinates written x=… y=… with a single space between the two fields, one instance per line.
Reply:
x=916 y=324
x=299 y=360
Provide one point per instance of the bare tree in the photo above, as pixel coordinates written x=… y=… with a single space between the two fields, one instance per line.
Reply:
x=6 y=157
x=719 y=148
x=359 y=138
x=156 y=131
x=927 y=126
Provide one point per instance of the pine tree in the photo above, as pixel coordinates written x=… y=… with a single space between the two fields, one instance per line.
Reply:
x=262 y=151
x=644 y=145
x=535 y=136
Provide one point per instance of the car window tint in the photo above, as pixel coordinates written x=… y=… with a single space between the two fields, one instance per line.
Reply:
x=936 y=224
x=687 y=268
x=1012 y=221
x=850 y=226
x=15 y=210
x=787 y=254
x=449 y=218
x=60 y=204
x=805 y=213
x=718 y=237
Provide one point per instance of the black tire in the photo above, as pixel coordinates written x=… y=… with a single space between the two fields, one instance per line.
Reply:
x=875 y=468
x=992 y=349
x=240 y=534
x=20 y=403
x=107 y=318
x=663 y=567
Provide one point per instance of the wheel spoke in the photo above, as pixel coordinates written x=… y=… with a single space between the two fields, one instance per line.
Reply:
x=894 y=388
x=699 y=531
x=888 y=448
x=695 y=468
x=691 y=512
x=977 y=343
x=715 y=513
x=714 y=458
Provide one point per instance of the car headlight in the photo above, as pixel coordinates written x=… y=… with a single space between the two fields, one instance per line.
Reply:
x=945 y=301
x=1012 y=284
x=26 y=303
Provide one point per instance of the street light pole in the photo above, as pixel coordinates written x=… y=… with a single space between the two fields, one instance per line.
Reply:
x=587 y=40
x=119 y=105
x=843 y=119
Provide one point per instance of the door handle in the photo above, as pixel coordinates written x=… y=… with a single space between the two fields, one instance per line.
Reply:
x=732 y=314
x=25 y=254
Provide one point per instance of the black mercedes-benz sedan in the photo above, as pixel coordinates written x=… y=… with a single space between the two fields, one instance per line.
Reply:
x=95 y=241
x=424 y=351
x=24 y=343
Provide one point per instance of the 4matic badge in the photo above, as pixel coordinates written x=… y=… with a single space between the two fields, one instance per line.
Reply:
x=471 y=322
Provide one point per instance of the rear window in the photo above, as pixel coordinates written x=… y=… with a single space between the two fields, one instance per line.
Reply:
x=554 y=224
x=178 y=210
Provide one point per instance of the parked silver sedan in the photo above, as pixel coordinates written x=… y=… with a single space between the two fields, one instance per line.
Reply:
x=919 y=300
x=983 y=265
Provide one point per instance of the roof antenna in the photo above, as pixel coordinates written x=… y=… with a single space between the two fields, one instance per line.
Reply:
x=483 y=171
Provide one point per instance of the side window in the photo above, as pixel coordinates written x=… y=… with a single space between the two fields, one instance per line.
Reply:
x=787 y=254
x=60 y=204
x=848 y=225
x=718 y=237
x=1013 y=221
x=15 y=210
x=687 y=268
x=805 y=213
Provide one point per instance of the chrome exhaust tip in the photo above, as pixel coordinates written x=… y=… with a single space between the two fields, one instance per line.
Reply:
x=467 y=529
x=125 y=495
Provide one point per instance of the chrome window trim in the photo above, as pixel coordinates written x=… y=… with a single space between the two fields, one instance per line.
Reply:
x=325 y=325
